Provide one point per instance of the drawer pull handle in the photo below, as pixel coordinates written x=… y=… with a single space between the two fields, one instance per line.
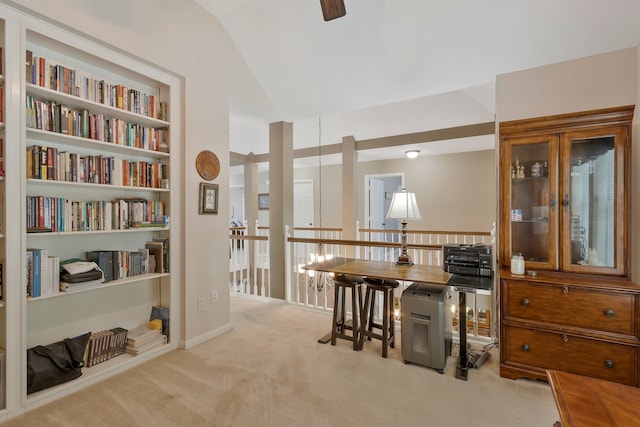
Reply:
x=609 y=363
x=609 y=313
x=565 y=338
x=525 y=302
x=525 y=347
x=565 y=290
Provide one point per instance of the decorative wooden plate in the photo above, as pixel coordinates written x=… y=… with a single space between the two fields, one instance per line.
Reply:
x=207 y=165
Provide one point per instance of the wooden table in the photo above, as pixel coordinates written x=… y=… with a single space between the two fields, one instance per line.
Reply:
x=413 y=273
x=380 y=270
x=591 y=402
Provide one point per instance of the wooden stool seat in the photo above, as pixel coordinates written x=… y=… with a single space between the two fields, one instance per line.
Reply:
x=340 y=325
x=368 y=324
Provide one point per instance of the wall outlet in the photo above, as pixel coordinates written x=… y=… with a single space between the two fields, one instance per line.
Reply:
x=200 y=304
x=214 y=295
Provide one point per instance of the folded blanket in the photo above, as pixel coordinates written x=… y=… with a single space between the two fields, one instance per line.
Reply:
x=79 y=267
x=86 y=276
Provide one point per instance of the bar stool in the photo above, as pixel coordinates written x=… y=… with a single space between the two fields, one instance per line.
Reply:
x=343 y=283
x=387 y=328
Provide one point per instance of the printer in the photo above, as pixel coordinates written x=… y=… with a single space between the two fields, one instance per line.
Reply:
x=467 y=259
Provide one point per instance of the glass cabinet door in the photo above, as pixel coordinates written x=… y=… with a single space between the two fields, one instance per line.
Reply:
x=593 y=201
x=531 y=200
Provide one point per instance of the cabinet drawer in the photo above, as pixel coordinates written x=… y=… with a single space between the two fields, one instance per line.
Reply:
x=572 y=306
x=584 y=356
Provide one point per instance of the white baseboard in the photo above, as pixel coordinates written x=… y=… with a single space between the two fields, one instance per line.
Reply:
x=206 y=337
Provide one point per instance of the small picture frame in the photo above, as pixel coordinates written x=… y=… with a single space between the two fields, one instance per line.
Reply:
x=208 y=198
x=263 y=201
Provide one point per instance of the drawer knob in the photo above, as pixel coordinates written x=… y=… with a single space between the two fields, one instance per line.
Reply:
x=609 y=363
x=609 y=313
x=525 y=302
x=565 y=338
x=565 y=290
x=525 y=347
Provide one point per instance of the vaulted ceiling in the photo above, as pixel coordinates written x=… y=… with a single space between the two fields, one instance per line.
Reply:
x=440 y=55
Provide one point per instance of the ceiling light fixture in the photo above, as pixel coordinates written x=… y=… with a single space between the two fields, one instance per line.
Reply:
x=412 y=154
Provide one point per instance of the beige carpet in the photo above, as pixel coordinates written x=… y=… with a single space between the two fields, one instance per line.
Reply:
x=270 y=371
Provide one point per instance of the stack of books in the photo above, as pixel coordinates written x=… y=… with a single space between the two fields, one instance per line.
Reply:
x=143 y=338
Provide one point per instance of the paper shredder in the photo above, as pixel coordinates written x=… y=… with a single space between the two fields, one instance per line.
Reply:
x=426 y=325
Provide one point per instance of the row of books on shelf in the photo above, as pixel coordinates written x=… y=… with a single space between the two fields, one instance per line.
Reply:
x=43 y=72
x=105 y=345
x=58 y=214
x=52 y=116
x=47 y=275
x=48 y=163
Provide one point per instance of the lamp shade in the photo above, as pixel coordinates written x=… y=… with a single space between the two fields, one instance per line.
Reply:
x=404 y=206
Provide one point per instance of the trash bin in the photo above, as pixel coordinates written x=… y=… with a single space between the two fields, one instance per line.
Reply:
x=426 y=325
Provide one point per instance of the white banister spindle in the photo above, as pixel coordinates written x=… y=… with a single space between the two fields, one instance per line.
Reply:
x=288 y=264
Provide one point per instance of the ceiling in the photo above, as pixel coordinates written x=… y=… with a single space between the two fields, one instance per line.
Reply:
x=399 y=66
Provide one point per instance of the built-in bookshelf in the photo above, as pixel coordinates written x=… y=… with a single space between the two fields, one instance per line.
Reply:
x=97 y=137
x=92 y=167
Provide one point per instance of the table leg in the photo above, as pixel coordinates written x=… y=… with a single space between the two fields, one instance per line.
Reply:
x=463 y=362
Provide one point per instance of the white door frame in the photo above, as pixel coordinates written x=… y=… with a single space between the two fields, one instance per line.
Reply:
x=367 y=178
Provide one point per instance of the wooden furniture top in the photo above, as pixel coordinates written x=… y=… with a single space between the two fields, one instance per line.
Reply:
x=583 y=280
x=382 y=270
x=591 y=402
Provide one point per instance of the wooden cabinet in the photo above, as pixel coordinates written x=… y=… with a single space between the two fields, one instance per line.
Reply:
x=563 y=188
x=575 y=324
x=564 y=207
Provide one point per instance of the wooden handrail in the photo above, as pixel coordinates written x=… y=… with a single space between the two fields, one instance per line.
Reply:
x=461 y=233
x=362 y=243
x=375 y=230
x=247 y=237
x=317 y=229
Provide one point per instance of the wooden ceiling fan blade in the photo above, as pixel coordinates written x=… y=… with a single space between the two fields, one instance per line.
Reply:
x=332 y=9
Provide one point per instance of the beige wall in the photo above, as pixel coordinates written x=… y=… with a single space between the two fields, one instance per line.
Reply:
x=331 y=193
x=455 y=192
x=601 y=81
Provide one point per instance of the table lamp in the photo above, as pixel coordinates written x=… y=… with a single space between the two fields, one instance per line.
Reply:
x=404 y=207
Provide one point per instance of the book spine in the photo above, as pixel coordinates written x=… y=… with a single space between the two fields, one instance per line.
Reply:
x=37 y=269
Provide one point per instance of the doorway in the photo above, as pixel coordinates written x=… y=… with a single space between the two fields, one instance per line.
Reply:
x=378 y=192
x=303 y=203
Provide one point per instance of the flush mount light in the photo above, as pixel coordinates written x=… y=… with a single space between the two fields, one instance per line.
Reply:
x=412 y=154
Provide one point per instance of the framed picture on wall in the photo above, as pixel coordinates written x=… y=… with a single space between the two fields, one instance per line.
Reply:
x=263 y=201
x=208 y=198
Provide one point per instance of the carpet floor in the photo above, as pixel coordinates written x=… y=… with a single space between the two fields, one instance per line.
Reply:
x=269 y=370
